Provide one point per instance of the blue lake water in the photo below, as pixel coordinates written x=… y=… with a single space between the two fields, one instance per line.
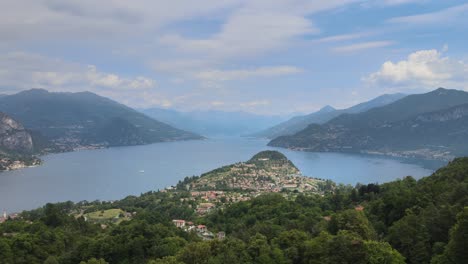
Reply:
x=109 y=174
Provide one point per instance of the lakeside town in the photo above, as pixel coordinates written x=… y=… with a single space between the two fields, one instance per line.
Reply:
x=266 y=172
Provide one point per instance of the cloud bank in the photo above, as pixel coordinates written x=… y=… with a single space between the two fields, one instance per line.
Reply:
x=424 y=69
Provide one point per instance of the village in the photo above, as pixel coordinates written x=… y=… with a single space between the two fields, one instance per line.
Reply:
x=217 y=189
x=267 y=172
x=4 y=217
x=268 y=177
x=201 y=230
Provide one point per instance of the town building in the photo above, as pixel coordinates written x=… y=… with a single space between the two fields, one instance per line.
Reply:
x=179 y=223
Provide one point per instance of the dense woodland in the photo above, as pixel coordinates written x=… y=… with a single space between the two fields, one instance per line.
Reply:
x=404 y=221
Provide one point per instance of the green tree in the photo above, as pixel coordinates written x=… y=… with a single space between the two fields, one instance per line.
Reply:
x=352 y=220
x=169 y=246
x=456 y=250
x=195 y=253
x=382 y=253
x=165 y=260
x=51 y=260
x=316 y=250
x=292 y=244
x=409 y=236
x=94 y=261
x=260 y=250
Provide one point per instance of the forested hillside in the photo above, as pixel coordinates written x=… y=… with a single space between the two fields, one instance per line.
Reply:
x=428 y=126
x=84 y=119
x=424 y=221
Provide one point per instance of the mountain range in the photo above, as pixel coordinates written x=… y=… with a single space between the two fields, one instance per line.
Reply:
x=214 y=123
x=75 y=120
x=298 y=123
x=433 y=125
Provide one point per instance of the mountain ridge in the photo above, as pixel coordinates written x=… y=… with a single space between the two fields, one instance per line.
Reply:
x=325 y=114
x=76 y=120
x=433 y=125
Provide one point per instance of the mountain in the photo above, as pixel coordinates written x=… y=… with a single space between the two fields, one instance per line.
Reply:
x=433 y=125
x=324 y=115
x=16 y=144
x=73 y=120
x=214 y=123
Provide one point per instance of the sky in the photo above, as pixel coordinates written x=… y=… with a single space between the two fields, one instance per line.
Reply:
x=267 y=57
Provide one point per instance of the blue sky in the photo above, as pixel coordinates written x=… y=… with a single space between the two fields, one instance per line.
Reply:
x=260 y=56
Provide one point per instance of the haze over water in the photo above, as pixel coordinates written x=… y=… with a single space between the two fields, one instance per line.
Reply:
x=114 y=173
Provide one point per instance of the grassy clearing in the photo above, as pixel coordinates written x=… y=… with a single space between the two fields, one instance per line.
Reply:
x=106 y=216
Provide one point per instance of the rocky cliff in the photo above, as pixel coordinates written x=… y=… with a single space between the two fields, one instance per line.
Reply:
x=16 y=145
x=13 y=136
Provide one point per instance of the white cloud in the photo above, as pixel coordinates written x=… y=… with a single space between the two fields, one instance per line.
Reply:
x=343 y=37
x=180 y=66
x=401 y=2
x=450 y=14
x=104 y=20
x=424 y=69
x=217 y=103
x=25 y=71
x=229 y=75
x=247 y=34
x=362 y=46
x=96 y=78
x=257 y=27
x=389 y=3
x=255 y=103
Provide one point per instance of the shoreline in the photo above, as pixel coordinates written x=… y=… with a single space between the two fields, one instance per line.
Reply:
x=410 y=154
x=84 y=148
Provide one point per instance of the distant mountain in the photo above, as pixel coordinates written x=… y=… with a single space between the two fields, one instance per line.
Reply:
x=214 y=123
x=73 y=120
x=16 y=144
x=324 y=115
x=433 y=125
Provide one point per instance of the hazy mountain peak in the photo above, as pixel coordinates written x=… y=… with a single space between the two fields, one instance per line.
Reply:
x=327 y=113
x=34 y=91
x=326 y=109
x=442 y=91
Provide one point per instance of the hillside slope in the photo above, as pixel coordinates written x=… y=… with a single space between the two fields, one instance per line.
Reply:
x=432 y=125
x=73 y=120
x=324 y=115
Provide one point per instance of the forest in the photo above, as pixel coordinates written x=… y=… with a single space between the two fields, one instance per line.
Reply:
x=404 y=221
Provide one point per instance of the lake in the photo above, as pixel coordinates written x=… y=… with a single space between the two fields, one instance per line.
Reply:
x=110 y=174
